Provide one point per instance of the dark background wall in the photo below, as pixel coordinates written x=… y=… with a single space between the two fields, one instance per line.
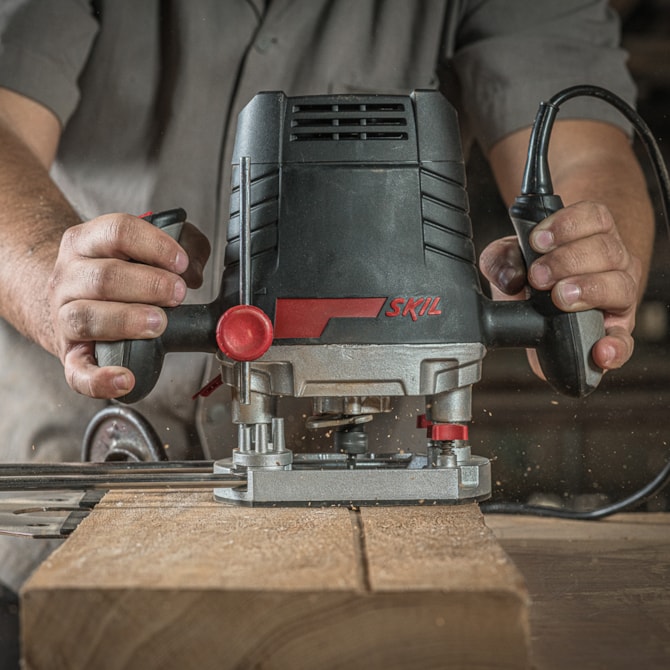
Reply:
x=613 y=442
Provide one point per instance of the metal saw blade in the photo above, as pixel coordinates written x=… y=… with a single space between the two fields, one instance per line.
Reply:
x=45 y=514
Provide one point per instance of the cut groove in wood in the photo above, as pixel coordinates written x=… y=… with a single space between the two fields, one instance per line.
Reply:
x=359 y=548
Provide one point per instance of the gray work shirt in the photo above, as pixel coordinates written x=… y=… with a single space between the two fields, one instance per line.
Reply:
x=148 y=91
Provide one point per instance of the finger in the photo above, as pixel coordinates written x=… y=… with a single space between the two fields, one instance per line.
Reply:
x=613 y=350
x=609 y=353
x=497 y=294
x=198 y=248
x=126 y=237
x=534 y=363
x=571 y=223
x=613 y=292
x=502 y=265
x=117 y=280
x=594 y=254
x=88 y=320
x=85 y=377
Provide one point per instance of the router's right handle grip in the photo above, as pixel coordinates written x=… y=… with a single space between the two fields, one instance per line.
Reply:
x=565 y=350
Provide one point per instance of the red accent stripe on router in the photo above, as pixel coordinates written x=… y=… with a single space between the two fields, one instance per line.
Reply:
x=308 y=317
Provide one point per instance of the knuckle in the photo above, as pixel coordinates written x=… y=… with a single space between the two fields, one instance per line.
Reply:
x=82 y=383
x=612 y=251
x=570 y=222
x=629 y=288
x=70 y=238
x=566 y=261
x=566 y=222
x=129 y=322
x=55 y=280
x=78 y=320
x=118 y=227
x=72 y=377
x=601 y=215
x=616 y=291
x=634 y=270
x=124 y=234
x=103 y=279
x=78 y=374
x=159 y=287
x=598 y=294
x=163 y=246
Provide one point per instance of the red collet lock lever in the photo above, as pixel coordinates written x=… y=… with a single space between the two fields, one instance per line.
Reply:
x=243 y=333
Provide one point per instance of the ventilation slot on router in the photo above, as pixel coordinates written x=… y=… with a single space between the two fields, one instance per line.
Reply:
x=369 y=121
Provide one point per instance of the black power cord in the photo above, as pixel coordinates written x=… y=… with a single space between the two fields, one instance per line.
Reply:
x=537 y=181
x=623 y=505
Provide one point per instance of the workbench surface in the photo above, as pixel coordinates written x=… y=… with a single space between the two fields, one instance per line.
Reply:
x=600 y=590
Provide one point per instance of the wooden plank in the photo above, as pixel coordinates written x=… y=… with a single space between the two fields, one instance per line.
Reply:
x=174 y=580
x=600 y=590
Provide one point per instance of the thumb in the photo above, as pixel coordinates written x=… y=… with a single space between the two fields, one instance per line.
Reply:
x=503 y=266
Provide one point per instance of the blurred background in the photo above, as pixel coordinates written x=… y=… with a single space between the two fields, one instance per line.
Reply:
x=550 y=448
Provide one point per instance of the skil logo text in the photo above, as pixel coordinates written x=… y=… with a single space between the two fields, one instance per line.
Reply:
x=414 y=307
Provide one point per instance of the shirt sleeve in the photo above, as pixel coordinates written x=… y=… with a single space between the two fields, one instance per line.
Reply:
x=511 y=55
x=43 y=49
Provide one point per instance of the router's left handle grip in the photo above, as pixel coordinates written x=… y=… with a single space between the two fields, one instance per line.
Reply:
x=564 y=352
x=144 y=358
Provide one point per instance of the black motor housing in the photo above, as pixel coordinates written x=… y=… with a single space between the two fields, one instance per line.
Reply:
x=360 y=231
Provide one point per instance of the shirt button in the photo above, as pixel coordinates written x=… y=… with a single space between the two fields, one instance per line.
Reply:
x=265 y=42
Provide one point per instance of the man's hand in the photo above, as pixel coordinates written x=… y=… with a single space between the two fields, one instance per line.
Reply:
x=595 y=255
x=585 y=265
x=112 y=277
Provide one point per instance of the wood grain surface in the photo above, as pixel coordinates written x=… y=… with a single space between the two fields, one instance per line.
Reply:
x=174 y=580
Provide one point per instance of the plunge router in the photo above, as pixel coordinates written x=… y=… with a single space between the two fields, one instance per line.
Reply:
x=350 y=279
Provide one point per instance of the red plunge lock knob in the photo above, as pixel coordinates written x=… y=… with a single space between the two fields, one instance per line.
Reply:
x=447 y=432
x=442 y=432
x=244 y=333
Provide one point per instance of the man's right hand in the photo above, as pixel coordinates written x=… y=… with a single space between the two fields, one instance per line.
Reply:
x=112 y=277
